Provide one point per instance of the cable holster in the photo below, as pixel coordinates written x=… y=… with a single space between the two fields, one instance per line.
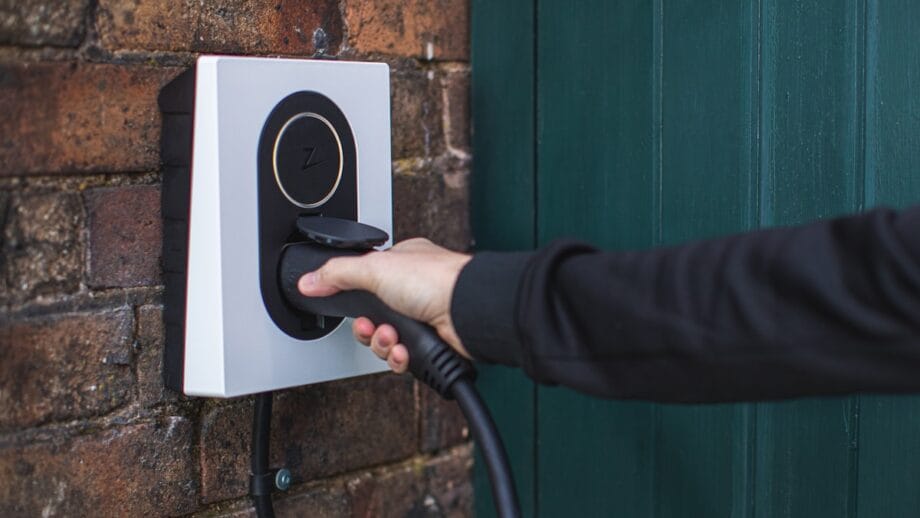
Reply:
x=430 y=359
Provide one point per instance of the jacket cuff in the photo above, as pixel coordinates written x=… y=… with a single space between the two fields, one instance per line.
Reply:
x=483 y=306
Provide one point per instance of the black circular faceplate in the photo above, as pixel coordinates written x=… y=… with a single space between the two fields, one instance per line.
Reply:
x=307 y=159
x=307 y=164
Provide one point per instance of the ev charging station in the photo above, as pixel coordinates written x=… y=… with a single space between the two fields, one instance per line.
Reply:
x=248 y=144
x=271 y=167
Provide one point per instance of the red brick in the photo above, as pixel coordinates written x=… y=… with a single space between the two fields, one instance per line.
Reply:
x=64 y=367
x=135 y=470
x=4 y=212
x=275 y=26
x=442 y=422
x=457 y=112
x=433 y=205
x=43 y=269
x=151 y=25
x=125 y=236
x=439 y=487
x=44 y=249
x=4 y=253
x=292 y=27
x=53 y=218
x=317 y=431
x=328 y=500
x=431 y=29
x=416 y=105
x=38 y=22
x=69 y=117
x=150 y=336
x=450 y=481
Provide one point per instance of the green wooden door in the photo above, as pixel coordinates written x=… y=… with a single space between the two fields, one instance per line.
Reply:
x=641 y=123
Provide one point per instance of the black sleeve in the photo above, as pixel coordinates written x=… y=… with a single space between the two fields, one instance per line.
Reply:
x=828 y=308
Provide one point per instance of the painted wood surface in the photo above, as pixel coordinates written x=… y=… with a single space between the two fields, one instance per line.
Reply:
x=503 y=211
x=708 y=150
x=594 y=181
x=641 y=123
x=804 y=456
x=889 y=426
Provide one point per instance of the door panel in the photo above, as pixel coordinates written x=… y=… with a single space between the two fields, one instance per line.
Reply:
x=804 y=460
x=889 y=426
x=640 y=123
x=709 y=99
x=595 y=182
x=502 y=195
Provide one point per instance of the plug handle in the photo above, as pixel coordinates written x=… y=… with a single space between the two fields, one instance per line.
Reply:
x=430 y=359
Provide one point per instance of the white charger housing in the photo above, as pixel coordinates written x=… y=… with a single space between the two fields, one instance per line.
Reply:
x=225 y=343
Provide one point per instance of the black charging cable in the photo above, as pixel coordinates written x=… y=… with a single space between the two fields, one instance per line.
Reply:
x=431 y=360
x=261 y=478
x=489 y=441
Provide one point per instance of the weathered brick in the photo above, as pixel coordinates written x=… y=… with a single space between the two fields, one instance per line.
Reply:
x=436 y=487
x=450 y=481
x=64 y=367
x=38 y=22
x=151 y=25
x=328 y=500
x=431 y=29
x=317 y=431
x=457 y=112
x=43 y=269
x=276 y=26
x=440 y=487
x=433 y=205
x=134 y=470
x=4 y=217
x=125 y=236
x=68 y=117
x=4 y=214
x=442 y=422
x=294 y=27
x=150 y=336
x=43 y=251
x=416 y=105
x=53 y=218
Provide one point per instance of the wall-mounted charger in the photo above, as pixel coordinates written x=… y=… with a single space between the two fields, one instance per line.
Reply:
x=248 y=146
x=270 y=167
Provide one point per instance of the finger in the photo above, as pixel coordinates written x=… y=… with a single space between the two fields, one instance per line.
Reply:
x=339 y=273
x=384 y=338
x=363 y=329
x=310 y=285
x=416 y=243
x=398 y=360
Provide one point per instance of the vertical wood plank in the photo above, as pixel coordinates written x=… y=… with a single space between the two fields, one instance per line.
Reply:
x=502 y=199
x=889 y=430
x=709 y=100
x=893 y=106
x=595 y=182
x=804 y=449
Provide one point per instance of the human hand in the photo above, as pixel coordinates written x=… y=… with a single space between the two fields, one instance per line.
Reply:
x=414 y=277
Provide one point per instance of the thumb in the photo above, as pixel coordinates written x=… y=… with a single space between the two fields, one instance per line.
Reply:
x=340 y=273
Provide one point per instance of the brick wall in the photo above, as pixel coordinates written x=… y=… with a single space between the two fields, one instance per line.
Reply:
x=86 y=427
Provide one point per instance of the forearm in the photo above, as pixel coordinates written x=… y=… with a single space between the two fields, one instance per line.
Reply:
x=830 y=307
